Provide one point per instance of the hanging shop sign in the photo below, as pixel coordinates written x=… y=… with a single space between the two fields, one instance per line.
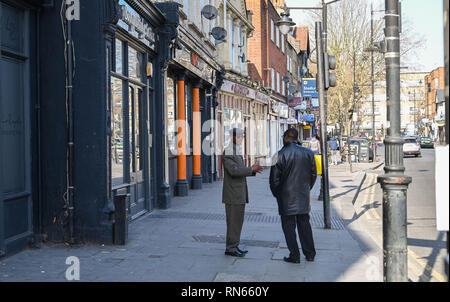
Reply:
x=283 y=111
x=308 y=117
x=274 y=107
x=309 y=88
x=295 y=101
x=315 y=103
x=136 y=25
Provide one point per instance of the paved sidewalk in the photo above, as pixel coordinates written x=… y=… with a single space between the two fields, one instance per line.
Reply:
x=186 y=243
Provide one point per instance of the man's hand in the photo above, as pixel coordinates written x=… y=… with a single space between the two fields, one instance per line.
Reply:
x=257 y=168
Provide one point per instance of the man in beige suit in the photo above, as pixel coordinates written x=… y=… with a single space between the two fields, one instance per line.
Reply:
x=235 y=192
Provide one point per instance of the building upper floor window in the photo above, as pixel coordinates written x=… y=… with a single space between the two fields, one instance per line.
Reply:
x=272 y=30
x=186 y=6
x=278 y=82
x=282 y=43
x=278 y=38
x=273 y=79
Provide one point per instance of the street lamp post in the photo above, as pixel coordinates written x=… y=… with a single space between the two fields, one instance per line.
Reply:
x=415 y=109
x=394 y=182
x=373 y=49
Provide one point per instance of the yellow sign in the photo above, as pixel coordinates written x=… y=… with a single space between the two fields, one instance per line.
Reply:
x=306 y=127
x=318 y=159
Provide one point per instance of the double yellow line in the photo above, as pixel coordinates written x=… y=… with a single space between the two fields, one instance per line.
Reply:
x=370 y=200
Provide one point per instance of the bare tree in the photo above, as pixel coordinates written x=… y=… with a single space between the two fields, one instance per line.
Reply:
x=349 y=34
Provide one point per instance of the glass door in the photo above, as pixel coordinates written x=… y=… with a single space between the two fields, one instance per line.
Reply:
x=137 y=152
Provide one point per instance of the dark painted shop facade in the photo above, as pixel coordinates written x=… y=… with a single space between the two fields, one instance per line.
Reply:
x=70 y=144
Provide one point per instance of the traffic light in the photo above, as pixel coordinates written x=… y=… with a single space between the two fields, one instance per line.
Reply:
x=329 y=64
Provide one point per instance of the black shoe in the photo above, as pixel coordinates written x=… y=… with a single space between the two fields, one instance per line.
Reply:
x=310 y=259
x=291 y=260
x=234 y=254
x=241 y=251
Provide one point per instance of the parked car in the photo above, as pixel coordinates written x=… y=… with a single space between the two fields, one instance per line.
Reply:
x=426 y=142
x=411 y=147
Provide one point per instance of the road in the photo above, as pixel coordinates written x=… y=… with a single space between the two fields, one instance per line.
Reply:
x=426 y=246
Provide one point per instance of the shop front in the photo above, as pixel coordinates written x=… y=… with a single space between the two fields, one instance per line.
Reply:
x=74 y=136
x=245 y=108
x=260 y=130
x=191 y=101
x=284 y=126
x=132 y=101
x=273 y=129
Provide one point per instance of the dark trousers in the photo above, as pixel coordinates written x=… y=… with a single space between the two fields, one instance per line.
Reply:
x=289 y=223
x=235 y=219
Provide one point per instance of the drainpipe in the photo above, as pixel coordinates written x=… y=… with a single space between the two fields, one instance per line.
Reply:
x=38 y=232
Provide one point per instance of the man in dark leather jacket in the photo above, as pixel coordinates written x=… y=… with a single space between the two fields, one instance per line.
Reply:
x=291 y=180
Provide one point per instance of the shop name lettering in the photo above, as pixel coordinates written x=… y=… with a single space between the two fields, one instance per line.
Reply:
x=136 y=22
x=241 y=90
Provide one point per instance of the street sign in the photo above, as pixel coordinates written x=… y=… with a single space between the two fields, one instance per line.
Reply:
x=308 y=117
x=309 y=88
x=296 y=101
x=314 y=103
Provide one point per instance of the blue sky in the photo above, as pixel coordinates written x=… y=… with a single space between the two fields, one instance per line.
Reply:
x=426 y=18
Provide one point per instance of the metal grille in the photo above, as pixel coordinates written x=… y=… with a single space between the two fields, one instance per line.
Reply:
x=221 y=239
x=316 y=218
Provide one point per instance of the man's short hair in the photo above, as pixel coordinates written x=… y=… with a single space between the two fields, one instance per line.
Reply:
x=291 y=133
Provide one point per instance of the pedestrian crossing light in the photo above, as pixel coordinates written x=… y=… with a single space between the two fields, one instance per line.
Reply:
x=330 y=77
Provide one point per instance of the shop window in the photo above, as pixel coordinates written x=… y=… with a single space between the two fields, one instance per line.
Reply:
x=119 y=56
x=135 y=64
x=188 y=96
x=117 y=131
x=135 y=103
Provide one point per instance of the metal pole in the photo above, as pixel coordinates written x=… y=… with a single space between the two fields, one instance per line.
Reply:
x=394 y=183
x=325 y=26
x=70 y=133
x=323 y=124
x=374 y=145
x=325 y=42
x=415 y=112
x=354 y=107
x=447 y=134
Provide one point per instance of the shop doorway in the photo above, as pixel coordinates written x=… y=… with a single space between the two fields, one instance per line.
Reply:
x=131 y=145
x=137 y=152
